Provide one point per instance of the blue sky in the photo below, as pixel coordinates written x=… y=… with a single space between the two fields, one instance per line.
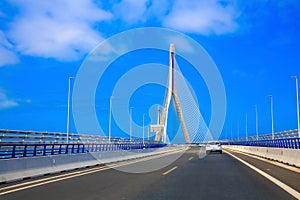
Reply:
x=255 y=45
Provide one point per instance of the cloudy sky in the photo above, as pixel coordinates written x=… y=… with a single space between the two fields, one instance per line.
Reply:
x=255 y=45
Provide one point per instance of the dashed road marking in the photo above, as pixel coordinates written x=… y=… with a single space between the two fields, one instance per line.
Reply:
x=170 y=170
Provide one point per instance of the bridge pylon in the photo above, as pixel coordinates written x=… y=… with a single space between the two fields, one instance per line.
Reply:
x=171 y=94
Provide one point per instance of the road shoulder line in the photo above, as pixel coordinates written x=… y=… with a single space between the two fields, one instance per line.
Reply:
x=273 y=162
x=282 y=185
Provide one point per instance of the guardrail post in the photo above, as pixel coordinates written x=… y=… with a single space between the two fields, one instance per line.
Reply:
x=83 y=148
x=72 y=148
x=13 y=154
x=45 y=149
x=25 y=151
x=34 y=150
x=67 y=149
x=78 y=148
x=59 y=150
x=52 y=149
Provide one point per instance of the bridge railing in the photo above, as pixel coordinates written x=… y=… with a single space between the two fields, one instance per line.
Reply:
x=16 y=144
x=286 y=139
x=290 y=143
x=17 y=136
x=29 y=150
x=27 y=137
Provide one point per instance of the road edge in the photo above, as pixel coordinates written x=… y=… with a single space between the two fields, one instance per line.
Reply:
x=277 y=182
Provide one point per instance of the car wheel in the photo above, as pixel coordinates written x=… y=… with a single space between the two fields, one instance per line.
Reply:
x=220 y=152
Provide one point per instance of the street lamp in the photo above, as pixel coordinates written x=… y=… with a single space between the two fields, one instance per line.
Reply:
x=272 y=116
x=131 y=124
x=238 y=129
x=144 y=129
x=256 y=113
x=246 y=126
x=148 y=135
x=110 y=114
x=230 y=130
x=69 y=99
x=296 y=77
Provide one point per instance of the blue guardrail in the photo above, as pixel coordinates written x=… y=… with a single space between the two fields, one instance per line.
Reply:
x=8 y=151
x=289 y=143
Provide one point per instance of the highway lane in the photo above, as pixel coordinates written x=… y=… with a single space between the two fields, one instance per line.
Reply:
x=216 y=176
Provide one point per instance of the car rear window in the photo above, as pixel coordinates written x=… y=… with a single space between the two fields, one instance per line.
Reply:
x=214 y=143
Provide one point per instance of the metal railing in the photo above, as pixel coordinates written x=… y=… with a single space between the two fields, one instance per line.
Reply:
x=289 y=143
x=16 y=144
x=17 y=136
x=286 y=139
x=29 y=150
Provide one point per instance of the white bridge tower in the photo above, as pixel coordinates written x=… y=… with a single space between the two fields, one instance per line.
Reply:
x=172 y=93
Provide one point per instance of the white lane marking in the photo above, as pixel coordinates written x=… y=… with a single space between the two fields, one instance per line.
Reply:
x=51 y=181
x=49 y=178
x=169 y=171
x=287 y=188
x=294 y=169
x=79 y=173
x=191 y=158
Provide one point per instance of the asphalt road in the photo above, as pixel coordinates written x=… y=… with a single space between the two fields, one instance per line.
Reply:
x=216 y=176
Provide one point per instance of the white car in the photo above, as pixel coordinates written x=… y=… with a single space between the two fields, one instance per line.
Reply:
x=214 y=146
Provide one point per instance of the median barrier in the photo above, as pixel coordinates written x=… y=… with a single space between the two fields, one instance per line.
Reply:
x=284 y=155
x=27 y=167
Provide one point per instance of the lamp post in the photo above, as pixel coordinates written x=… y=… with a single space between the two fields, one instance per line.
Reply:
x=110 y=115
x=143 y=129
x=69 y=99
x=256 y=123
x=230 y=130
x=131 y=124
x=246 y=126
x=148 y=135
x=238 y=129
x=272 y=115
x=297 y=99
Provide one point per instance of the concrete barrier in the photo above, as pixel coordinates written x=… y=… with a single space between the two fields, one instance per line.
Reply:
x=20 y=168
x=288 y=156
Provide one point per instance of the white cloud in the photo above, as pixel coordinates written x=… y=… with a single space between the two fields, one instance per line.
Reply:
x=66 y=29
x=7 y=55
x=131 y=11
x=61 y=29
x=201 y=16
x=181 y=43
x=194 y=16
x=6 y=102
x=141 y=11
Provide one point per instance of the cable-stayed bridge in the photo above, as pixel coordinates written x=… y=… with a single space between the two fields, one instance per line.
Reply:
x=51 y=165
